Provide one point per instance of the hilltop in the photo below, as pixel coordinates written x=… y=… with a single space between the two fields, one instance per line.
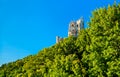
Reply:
x=95 y=52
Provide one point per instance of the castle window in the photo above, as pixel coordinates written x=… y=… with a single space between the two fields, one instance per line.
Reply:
x=72 y=25
x=77 y=25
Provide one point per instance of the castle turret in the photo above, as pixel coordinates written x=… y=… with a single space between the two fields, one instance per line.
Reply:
x=58 y=39
x=75 y=27
x=80 y=24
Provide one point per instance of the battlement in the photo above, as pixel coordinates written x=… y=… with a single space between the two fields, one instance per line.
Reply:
x=74 y=29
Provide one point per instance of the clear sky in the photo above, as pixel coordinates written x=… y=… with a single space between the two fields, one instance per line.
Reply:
x=27 y=26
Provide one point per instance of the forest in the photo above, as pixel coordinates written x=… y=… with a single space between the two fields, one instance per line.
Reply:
x=94 y=53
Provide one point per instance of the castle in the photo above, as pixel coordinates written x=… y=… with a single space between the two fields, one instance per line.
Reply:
x=74 y=29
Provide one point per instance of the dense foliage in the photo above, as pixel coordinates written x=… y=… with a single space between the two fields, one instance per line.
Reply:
x=95 y=52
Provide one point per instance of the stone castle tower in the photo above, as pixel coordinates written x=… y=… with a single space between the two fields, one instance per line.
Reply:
x=74 y=29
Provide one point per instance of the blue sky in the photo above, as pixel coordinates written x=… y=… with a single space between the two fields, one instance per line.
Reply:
x=27 y=26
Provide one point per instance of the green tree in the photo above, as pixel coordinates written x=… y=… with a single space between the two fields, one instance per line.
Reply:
x=94 y=53
x=104 y=48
